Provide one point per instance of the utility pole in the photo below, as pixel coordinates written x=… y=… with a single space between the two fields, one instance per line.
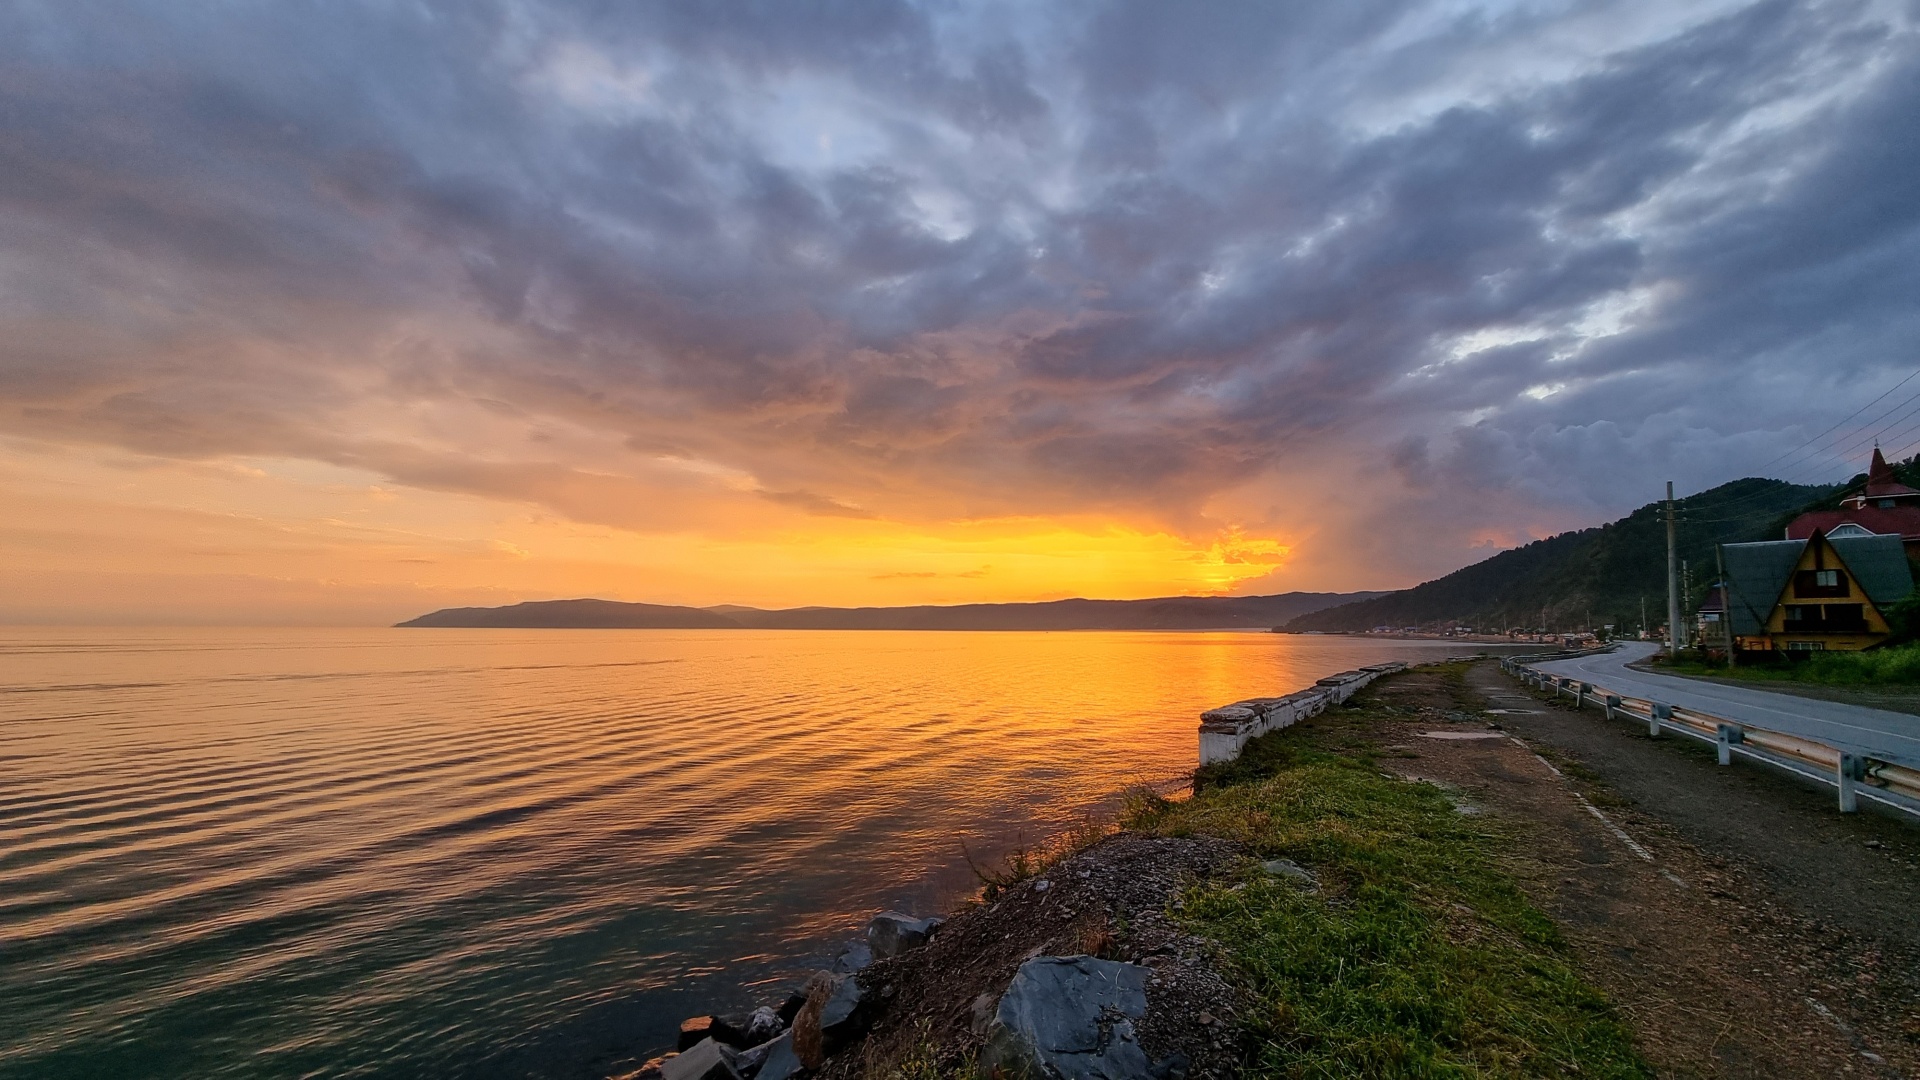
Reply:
x=1673 y=582
x=1686 y=592
x=1643 y=615
x=1726 y=599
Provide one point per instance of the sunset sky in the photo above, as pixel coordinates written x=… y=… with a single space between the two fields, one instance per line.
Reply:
x=340 y=312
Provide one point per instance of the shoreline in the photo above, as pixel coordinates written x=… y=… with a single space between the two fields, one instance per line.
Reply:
x=1237 y=932
x=1464 y=639
x=1105 y=902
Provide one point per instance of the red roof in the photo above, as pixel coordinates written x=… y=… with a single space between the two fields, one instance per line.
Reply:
x=1881 y=483
x=1903 y=520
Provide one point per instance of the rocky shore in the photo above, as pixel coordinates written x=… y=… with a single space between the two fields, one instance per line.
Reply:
x=1076 y=972
x=1400 y=884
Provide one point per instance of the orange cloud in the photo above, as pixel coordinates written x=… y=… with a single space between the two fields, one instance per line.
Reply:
x=100 y=536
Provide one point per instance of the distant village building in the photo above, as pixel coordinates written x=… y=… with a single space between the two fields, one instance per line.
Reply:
x=1709 y=620
x=1886 y=507
x=1818 y=593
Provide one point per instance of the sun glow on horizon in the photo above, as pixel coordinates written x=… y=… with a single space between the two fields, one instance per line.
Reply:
x=276 y=541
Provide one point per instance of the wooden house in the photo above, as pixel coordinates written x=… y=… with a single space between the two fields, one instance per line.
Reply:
x=1824 y=592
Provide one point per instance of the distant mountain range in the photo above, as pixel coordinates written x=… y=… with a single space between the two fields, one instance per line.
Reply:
x=1163 y=613
x=1605 y=571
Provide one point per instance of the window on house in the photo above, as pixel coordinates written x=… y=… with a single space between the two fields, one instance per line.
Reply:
x=1847 y=529
x=1844 y=617
x=1885 y=504
x=1806 y=646
x=1825 y=619
x=1819 y=583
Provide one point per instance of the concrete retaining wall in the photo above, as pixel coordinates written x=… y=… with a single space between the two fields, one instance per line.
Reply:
x=1225 y=730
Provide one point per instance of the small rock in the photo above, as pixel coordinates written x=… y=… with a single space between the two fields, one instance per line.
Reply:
x=692 y=1030
x=706 y=1061
x=983 y=1007
x=891 y=933
x=1290 y=870
x=1070 y=1017
x=1172 y=1067
x=648 y=1071
x=1042 y=885
x=1207 y=1019
x=854 y=957
x=763 y=1025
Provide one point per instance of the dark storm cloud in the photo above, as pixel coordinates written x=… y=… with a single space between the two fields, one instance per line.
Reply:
x=1119 y=256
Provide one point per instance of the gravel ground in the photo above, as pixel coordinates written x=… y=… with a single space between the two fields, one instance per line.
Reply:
x=1762 y=934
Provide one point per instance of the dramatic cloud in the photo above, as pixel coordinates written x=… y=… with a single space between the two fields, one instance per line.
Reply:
x=1368 y=288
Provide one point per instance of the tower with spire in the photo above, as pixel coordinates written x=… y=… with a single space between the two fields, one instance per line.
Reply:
x=1884 y=491
x=1884 y=506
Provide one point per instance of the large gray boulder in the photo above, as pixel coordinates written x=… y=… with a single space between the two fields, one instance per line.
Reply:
x=708 y=1060
x=842 y=1017
x=835 y=1014
x=1070 y=1018
x=891 y=933
x=780 y=1062
x=857 y=956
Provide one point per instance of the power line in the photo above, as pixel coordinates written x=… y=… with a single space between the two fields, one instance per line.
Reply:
x=1891 y=426
x=1853 y=445
x=1796 y=450
x=1906 y=450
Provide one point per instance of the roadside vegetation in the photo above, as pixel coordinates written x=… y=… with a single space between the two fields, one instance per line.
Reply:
x=1896 y=663
x=1893 y=665
x=1412 y=953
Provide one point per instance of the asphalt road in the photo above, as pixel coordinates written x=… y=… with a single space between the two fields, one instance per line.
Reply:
x=1876 y=733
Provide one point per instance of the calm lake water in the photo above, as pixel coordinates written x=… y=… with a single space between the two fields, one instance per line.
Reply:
x=420 y=853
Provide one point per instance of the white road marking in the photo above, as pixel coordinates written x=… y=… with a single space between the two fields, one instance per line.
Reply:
x=1618 y=832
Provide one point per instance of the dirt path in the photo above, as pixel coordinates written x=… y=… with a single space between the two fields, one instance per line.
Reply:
x=1744 y=927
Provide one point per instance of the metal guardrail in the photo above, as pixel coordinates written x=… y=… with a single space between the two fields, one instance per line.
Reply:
x=1852 y=775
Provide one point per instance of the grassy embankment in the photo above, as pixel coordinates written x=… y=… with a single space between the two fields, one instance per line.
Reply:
x=1417 y=955
x=1897 y=665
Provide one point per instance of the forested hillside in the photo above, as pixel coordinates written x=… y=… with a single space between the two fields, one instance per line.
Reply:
x=1605 y=571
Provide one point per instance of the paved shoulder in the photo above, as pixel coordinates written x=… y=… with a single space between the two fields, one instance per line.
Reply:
x=1877 y=733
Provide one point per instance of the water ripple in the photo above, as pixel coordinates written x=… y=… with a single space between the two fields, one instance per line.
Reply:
x=449 y=853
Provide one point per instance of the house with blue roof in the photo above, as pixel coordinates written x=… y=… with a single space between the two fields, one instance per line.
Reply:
x=1817 y=594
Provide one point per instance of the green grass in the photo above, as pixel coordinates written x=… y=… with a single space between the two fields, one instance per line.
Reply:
x=1418 y=956
x=1892 y=666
